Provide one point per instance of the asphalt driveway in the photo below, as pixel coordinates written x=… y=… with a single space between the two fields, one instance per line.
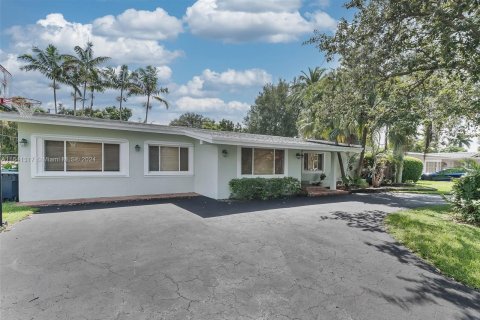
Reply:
x=201 y=259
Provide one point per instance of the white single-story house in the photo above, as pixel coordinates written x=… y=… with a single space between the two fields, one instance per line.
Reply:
x=434 y=162
x=66 y=157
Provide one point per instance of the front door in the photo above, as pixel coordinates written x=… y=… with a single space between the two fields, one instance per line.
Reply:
x=313 y=167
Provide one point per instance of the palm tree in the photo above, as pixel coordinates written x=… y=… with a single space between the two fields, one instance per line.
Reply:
x=71 y=76
x=146 y=84
x=123 y=80
x=95 y=83
x=87 y=65
x=313 y=76
x=49 y=62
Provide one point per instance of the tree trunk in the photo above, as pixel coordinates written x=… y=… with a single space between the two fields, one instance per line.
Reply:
x=146 y=112
x=386 y=139
x=428 y=139
x=121 y=99
x=83 y=96
x=398 y=158
x=55 y=94
x=362 y=154
x=342 y=168
x=74 y=102
x=91 y=101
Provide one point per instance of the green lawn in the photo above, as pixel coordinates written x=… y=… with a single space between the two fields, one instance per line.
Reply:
x=433 y=234
x=13 y=213
x=443 y=187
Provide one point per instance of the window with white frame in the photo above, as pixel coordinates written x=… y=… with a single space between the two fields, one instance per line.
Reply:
x=168 y=159
x=57 y=156
x=262 y=161
x=313 y=162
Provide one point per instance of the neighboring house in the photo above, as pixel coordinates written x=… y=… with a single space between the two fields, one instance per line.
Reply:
x=433 y=162
x=65 y=157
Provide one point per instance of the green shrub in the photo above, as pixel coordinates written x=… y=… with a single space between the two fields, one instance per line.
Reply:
x=412 y=169
x=466 y=197
x=263 y=188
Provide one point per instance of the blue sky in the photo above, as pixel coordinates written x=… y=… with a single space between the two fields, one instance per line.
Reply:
x=213 y=55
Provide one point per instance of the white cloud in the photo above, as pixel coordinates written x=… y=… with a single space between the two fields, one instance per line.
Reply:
x=259 y=6
x=211 y=81
x=241 y=21
x=65 y=35
x=139 y=24
x=164 y=73
x=209 y=105
x=193 y=87
x=246 y=78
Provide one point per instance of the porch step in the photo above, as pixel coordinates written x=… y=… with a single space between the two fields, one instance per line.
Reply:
x=317 y=191
x=327 y=193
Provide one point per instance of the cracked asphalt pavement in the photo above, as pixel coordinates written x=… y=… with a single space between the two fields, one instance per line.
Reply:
x=302 y=258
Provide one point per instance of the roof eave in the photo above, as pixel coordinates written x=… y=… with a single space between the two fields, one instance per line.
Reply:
x=317 y=147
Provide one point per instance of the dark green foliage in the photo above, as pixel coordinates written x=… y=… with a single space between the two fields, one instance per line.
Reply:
x=112 y=113
x=412 y=169
x=466 y=197
x=195 y=120
x=263 y=188
x=273 y=112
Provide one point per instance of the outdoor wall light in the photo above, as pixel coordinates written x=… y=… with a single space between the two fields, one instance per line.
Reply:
x=137 y=148
x=225 y=153
x=299 y=155
x=23 y=142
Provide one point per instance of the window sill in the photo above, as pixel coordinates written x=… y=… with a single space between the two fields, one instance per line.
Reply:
x=83 y=175
x=268 y=176
x=168 y=174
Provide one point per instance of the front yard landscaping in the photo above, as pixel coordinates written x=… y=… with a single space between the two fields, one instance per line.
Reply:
x=435 y=235
x=13 y=213
x=443 y=187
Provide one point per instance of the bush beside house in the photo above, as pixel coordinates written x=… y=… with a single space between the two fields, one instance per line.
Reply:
x=263 y=188
x=412 y=169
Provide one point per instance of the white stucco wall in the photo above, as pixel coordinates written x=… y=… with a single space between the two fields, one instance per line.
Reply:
x=54 y=188
x=227 y=169
x=206 y=169
x=212 y=171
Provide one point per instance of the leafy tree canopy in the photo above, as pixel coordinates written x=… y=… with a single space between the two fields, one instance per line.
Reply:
x=195 y=120
x=273 y=112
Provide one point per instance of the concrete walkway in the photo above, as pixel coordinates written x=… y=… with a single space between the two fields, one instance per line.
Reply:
x=305 y=258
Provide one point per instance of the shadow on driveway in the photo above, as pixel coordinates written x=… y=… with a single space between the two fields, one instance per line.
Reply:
x=209 y=208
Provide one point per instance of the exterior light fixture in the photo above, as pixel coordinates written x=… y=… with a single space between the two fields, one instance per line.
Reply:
x=225 y=153
x=299 y=155
x=23 y=142
x=137 y=148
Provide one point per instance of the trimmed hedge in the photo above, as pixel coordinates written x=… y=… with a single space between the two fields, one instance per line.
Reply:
x=264 y=188
x=412 y=169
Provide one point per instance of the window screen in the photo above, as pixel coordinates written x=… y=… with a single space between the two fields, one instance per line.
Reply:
x=183 y=159
x=263 y=161
x=169 y=159
x=111 y=153
x=84 y=156
x=247 y=154
x=279 y=161
x=54 y=153
x=153 y=158
x=163 y=158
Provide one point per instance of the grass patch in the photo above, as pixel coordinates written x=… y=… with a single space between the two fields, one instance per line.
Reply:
x=433 y=234
x=443 y=187
x=13 y=213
